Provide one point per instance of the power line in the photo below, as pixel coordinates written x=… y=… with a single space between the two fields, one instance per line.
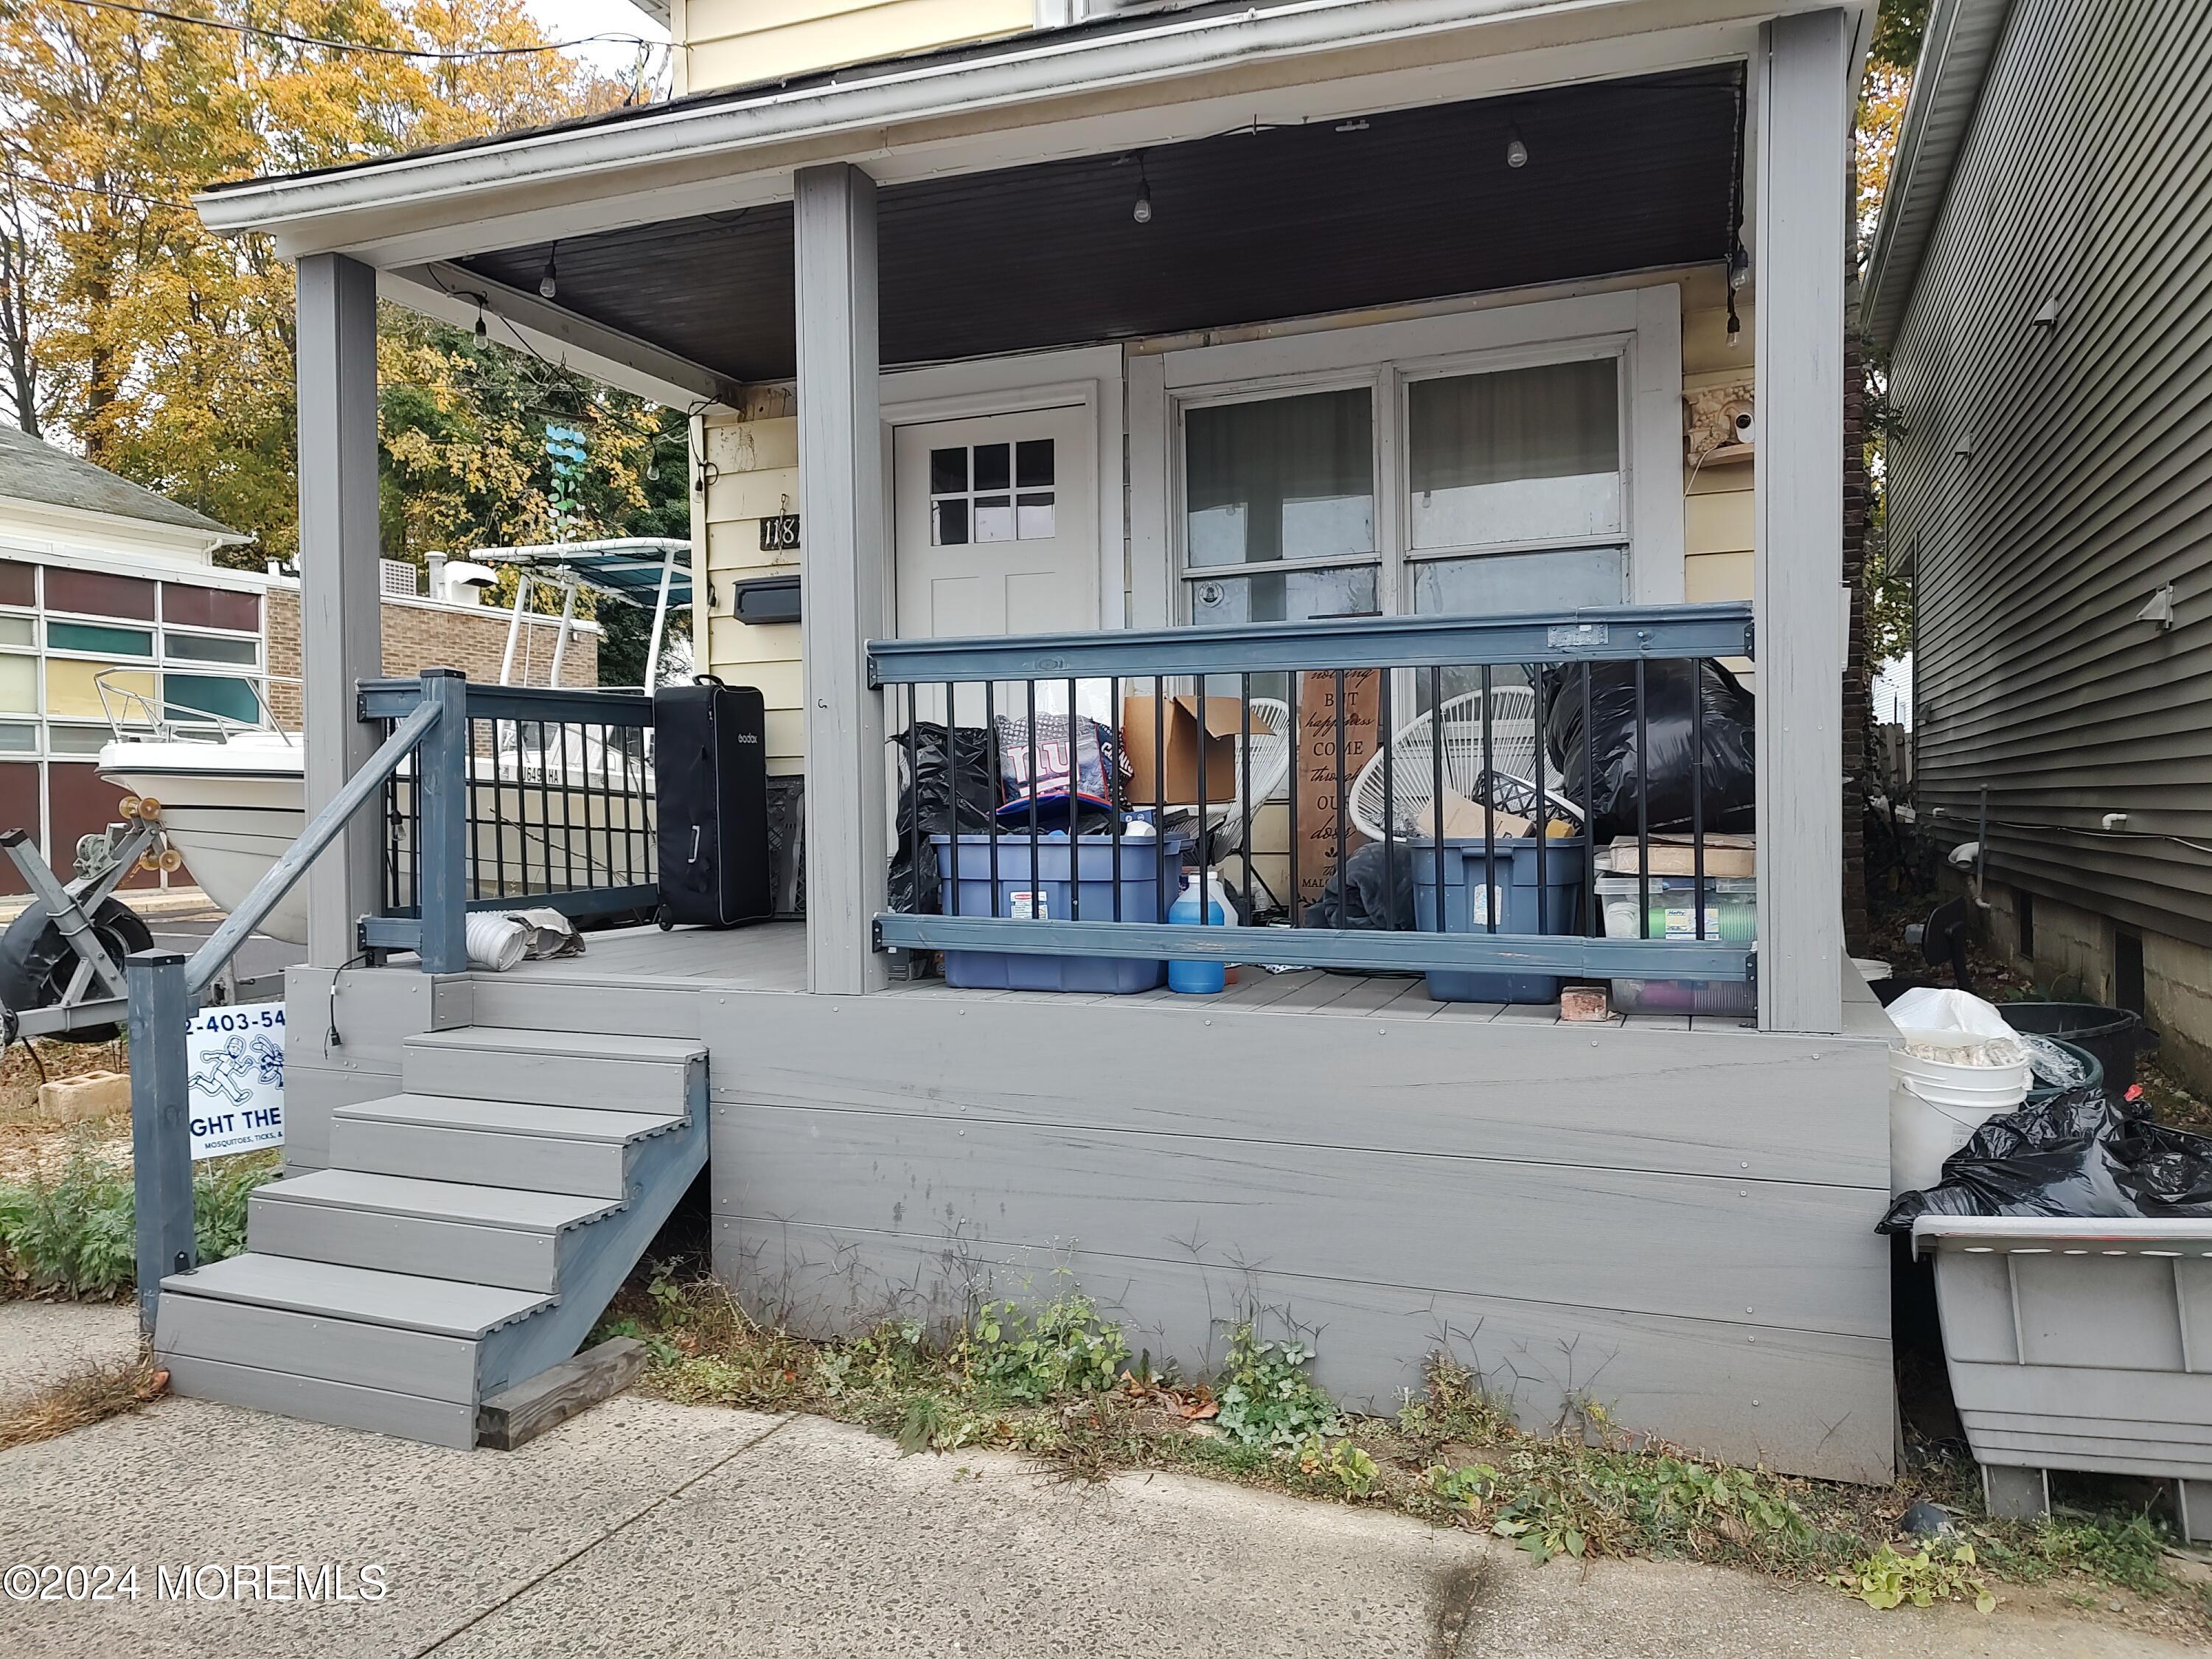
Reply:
x=360 y=45
x=32 y=178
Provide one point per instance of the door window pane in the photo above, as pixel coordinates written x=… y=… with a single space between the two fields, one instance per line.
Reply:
x=1283 y=596
x=970 y=500
x=1280 y=478
x=948 y=470
x=1505 y=584
x=948 y=524
x=1520 y=455
x=994 y=518
x=1033 y=463
x=994 y=465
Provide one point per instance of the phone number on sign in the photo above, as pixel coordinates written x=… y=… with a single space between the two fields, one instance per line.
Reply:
x=316 y=1582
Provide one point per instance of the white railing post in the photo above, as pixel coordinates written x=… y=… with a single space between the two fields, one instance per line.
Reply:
x=841 y=478
x=1803 y=119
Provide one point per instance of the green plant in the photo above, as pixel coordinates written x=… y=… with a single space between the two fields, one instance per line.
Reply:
x=1469 y=1487
x=1033 y=1354
x=221 y=1186
x=662 y=1349
x=1354 y=1469
x=72 y=1234
x=1267 y=1398
x=932 y=1422
x=1887 y=1579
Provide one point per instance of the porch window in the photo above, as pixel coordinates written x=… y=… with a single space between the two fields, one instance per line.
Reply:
x=1515 y=497
x=1279 y=508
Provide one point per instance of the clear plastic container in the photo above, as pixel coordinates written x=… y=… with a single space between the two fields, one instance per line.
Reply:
x=1731 y=913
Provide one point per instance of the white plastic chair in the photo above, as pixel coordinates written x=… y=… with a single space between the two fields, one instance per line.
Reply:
x=1516 y=750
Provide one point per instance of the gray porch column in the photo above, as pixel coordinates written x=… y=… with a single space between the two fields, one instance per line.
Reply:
x=341 y=637
x=842 y=523
x=1803 y=137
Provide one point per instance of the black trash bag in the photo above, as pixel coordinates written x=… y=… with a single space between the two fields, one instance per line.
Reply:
x=1360 y=894
x=2078 y=1154
x=926 y=778
x=1731 y=769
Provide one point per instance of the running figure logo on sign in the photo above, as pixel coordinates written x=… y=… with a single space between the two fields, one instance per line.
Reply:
x=235 y=1060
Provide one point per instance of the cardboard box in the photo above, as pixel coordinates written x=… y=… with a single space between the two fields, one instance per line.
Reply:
x=1732 y=856
x=1225 y=720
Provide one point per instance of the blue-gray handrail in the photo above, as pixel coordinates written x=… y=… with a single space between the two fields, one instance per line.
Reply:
x=1612 y=633
x=163 y=985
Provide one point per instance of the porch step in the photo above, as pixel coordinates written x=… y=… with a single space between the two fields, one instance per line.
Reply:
x=554 y=1068
x=571 y=1150
x=500 y=1236
x=381 y=1293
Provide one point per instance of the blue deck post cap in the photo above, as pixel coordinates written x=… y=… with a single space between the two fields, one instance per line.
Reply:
x=154 y=958
x=444 y=673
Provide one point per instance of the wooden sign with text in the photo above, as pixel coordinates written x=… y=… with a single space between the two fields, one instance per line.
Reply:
x=1317 y=769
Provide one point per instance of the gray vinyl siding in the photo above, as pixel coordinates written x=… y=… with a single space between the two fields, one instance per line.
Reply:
x=2087 y=179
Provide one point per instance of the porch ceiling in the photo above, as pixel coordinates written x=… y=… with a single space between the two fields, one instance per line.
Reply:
x=1247 y=227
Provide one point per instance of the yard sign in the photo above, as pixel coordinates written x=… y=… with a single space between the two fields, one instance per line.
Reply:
x=235 y=1059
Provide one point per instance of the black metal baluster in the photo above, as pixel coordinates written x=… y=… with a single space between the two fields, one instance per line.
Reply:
x=1698 y=792
x=1036 y=871
x=1389 y=814
x=1343 y=851
x=1544 y=917
x=1298 y=765
x=1590 y=811
x=1437 y=786
x=1160 y=776
x=1113 y=770
x=1642 y=816
x=991 y=739
x=1244 y=792
x=913 y=797
x=568 y=820
x=1075 y=778
x=1205 y=757
x=1484 y=780
x=952 y=769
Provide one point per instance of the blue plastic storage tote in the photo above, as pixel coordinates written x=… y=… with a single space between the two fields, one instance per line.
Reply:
x=1522 y=907
x=1147 y=883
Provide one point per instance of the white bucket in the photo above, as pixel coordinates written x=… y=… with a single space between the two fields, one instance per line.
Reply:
x=1935 y=1107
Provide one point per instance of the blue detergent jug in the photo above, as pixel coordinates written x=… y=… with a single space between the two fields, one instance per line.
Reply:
x=1196 y=978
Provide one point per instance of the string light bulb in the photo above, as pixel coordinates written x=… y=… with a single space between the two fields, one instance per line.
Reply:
x=1142 y=212
x=1516 y=149
x=547 y=287
x=482 y=333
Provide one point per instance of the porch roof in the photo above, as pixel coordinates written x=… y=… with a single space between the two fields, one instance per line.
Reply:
x=1249 y=226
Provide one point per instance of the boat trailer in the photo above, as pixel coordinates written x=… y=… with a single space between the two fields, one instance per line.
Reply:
x=94 y=1001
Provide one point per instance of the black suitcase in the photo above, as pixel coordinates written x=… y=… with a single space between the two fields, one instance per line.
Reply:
x=710 y=789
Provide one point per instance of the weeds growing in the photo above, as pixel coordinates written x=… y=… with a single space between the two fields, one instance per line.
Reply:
x=73 y=1234
x=1053 y=1379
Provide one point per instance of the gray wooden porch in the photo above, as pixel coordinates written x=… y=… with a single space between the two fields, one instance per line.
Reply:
x=1668 y=1218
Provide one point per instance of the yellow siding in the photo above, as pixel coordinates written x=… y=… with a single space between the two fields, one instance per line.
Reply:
x=1716 y=514
x=730 y=43
x=752 y=465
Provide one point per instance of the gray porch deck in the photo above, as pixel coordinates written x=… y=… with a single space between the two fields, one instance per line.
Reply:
x=773 y=957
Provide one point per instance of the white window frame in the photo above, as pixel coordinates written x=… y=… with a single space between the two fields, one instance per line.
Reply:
x=1642 y=326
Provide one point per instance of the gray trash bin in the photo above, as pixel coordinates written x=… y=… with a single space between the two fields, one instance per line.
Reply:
x=2078 y=1345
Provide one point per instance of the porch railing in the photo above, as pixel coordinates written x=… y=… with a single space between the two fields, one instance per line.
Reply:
x=557 y=806
x=1316 y=730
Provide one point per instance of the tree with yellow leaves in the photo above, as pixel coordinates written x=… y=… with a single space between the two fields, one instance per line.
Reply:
x=166 y=353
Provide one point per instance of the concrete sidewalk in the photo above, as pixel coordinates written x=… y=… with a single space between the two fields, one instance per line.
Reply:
x=644 y=1528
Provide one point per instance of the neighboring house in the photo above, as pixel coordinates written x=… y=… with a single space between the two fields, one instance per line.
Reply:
x=1213 y=349
x=104 y=586
x=2037 y=286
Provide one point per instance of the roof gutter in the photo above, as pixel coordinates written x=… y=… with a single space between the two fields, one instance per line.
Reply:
x=879 y=97
x=1947 y=87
